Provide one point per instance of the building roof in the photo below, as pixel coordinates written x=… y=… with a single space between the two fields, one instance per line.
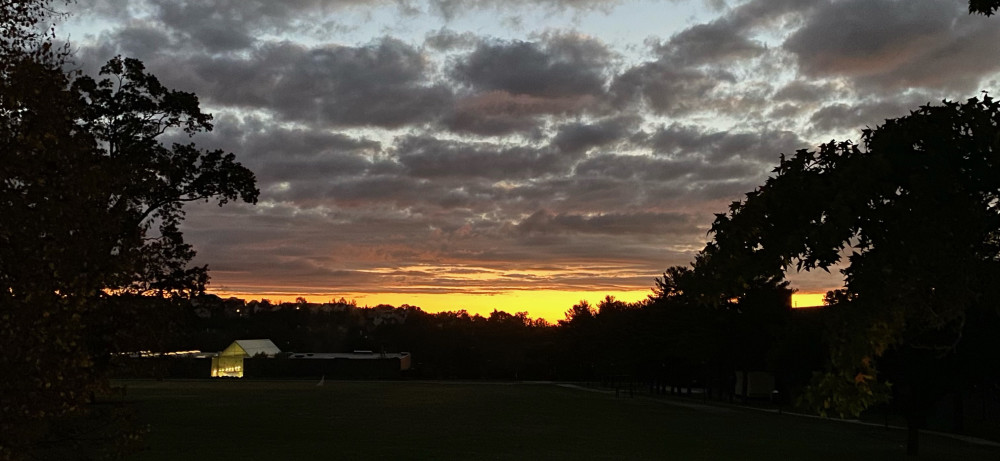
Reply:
x=356 y=355
x=252 y=347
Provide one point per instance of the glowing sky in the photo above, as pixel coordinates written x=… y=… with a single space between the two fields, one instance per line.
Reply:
x=460 y=153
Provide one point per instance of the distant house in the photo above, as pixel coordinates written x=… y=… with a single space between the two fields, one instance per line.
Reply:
x=402 y=357
x=332 y=365
x=229 y=362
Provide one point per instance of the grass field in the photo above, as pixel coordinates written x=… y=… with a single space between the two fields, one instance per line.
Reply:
x=255 y=420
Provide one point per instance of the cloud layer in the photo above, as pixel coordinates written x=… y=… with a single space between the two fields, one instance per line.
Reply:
x=408 y=149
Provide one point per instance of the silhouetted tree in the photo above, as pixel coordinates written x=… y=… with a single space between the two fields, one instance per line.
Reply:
x=688 y=335
x=91 y=205
x=734 y=313
x=918 y=209
x=984 y=7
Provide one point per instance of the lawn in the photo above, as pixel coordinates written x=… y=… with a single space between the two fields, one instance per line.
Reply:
x=277 y=420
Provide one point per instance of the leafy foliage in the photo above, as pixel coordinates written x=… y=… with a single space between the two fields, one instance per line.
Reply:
x=984 y=7
x=91 y=204
x=148 y=182
x=916 y=213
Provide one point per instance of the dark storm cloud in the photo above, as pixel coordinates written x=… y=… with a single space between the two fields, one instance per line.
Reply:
x=891 y=44
x=404 y=192
x=575 y=138
x=837 y=116
x=713 y=42
x=511 y=86
x=637 y=167
x=229 y=25
x=561 y=68
x=590 y=193
x=497 y=113
x=310 y=144
x=868 y=35
x=693 y=69
x=785 y=111
x=543 y=222
x=384 y=83
x=805 y=92
x=858 y=115
x=614 y=181
x=666 y=88
x=451 y=8
x=111 y=9
x=216 y=26
x=428 y=157
x=447 y=39
x=717 y=146
x=278 y=153
x=296 y=250
x=140 y=40
x=690 y=68
x=577 y=194
x=300 y=173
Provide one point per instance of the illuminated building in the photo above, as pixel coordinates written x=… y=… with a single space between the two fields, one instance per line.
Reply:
x=229 y=362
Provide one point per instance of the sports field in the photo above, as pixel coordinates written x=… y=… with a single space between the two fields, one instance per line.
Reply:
x=296 y=420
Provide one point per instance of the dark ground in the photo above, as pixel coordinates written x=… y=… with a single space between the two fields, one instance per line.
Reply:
x=269 y=420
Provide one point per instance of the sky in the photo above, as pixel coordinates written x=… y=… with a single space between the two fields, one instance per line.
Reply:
x=511 y=154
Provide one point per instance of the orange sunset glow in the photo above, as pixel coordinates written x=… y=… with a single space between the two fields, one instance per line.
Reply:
x=550 y=305
x=803 y=300
x=543 y=292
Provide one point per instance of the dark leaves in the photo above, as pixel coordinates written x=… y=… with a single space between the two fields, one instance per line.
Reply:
x=91 y=203
x=918 y=206
x=984 y=7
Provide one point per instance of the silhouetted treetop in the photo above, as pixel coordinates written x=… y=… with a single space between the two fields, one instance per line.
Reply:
x=91 y=202
x=915 y=209
x=148 y=182
x=984 y=7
